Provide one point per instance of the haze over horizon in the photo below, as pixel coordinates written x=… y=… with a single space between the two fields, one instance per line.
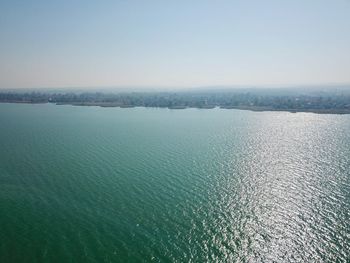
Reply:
x=173 y=44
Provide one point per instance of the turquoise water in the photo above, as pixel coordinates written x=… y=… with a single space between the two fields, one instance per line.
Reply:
x=90 y=184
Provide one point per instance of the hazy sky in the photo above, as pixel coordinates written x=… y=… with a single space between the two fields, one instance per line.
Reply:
x=173 y=43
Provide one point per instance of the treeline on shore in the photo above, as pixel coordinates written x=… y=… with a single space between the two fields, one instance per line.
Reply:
x=337 y=103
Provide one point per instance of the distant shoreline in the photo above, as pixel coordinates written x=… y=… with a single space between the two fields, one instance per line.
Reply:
x=249 y=108
x=319 y=102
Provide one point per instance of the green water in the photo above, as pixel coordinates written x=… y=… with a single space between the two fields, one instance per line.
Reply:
x=90 y=184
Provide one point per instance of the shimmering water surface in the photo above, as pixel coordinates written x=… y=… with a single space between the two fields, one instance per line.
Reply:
x=89 y=184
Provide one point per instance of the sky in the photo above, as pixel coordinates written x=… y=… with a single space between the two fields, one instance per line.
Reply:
x=72 y=43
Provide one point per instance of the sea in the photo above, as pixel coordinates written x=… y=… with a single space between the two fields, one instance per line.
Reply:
x=92 y=184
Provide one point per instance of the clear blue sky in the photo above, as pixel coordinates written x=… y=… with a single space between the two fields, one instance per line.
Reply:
x=173 y=43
